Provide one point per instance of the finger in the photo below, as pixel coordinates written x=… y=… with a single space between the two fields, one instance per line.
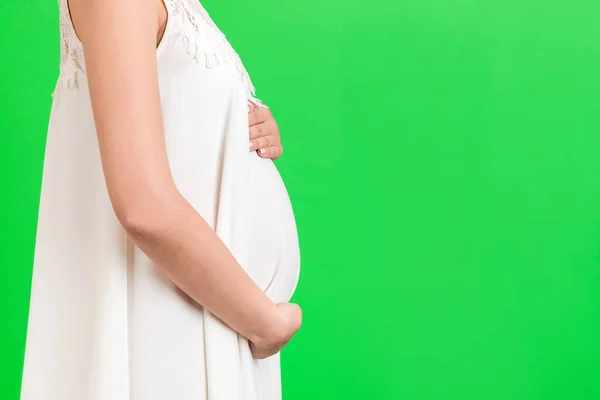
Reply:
x=272 y=152
x=252 y=106
x=262 y=129
x=257 y=131
x=261 y=142
x=258 y=116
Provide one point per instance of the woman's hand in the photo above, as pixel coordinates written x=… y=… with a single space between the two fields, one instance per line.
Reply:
x=291 y=320
x=264 y=133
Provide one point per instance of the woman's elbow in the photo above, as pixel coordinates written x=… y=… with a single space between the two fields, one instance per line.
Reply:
x=134 y=221
x=142 y=218
x=131 y=220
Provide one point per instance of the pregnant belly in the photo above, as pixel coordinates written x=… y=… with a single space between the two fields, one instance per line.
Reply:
x=274 y=259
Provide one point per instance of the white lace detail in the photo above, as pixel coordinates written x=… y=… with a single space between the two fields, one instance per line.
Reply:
x=72 y=63
x=188 y=21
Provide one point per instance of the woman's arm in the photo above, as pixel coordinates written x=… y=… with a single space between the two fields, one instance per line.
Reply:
x=119 y=39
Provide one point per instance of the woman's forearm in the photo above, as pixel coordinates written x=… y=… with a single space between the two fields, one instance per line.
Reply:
x=191 y=254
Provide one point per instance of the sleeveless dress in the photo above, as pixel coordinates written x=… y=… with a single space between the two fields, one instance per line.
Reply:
x=104 y=321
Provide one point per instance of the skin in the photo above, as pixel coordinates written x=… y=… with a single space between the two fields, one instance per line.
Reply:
x=264 y=133
x=120 y=39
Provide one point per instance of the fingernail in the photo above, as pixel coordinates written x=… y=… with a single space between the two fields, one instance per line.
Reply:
x=250 y=145
x=262 y=152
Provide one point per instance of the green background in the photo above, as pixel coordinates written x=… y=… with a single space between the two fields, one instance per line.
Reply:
x=442 y=159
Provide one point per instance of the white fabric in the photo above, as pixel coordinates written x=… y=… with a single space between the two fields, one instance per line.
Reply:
x=105 y=323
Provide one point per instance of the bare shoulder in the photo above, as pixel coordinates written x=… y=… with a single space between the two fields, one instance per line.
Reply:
x=84 y=13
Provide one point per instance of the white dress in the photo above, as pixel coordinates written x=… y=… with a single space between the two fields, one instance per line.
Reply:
x=105 y=323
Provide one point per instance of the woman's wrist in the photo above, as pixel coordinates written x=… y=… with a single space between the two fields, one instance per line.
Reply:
x=272 y=327
x=287 y=323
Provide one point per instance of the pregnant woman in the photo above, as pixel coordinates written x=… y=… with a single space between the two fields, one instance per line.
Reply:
x=166 y=249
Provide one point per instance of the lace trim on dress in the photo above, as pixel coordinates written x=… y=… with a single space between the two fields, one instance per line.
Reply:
x=71 y=50
x=195 y=27
x=191 y=24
